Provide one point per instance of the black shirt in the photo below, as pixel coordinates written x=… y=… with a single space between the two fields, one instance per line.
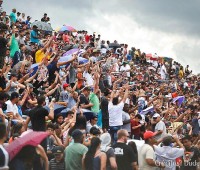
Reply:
x=104 y=108
x=52 y=68
x=124 y=156
x=84 y=100
x=3 y=43
x=37 y=116
x=190 y=159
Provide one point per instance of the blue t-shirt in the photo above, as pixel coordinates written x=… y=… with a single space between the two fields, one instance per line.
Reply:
x=34 y=34
x=13 y=17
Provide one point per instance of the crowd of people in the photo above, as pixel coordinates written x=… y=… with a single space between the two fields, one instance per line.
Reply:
x=105 y=107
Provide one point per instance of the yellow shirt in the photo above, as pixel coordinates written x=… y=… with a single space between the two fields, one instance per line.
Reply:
x=39 y=55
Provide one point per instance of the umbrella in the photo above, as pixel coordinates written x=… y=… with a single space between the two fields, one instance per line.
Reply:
x=67 y=28
x=114 y=45
x=180 y=99
x=65 y=58
x=34 y=67
x=67 y=47
x=42 y=25
x=32 y=138
x=72 y=51
x=82 y=60
x=147 y=110
x=88 y=114
x=57 y=108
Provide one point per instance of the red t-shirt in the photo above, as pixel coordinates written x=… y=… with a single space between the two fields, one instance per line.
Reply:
x=87 y=38
x=135 y=131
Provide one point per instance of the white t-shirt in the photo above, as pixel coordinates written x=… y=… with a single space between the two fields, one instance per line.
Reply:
x=11 y=108
x=160 y=126
x=145 y=152
x=89 y=79
x=115 y=114
x=163 y=72
x=127 y=67
x=126 y=116
x=168 y=155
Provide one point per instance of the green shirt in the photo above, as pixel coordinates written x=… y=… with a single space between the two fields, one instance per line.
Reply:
x=14 y=46
x=95 y=101
x=73 y=156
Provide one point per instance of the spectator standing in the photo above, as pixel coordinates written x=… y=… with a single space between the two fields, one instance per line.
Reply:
x=13 y=17
x=94 y=158
x=115 y=110
x=3 y=47
x=125 y=157
x=160 y=127
x=105 y=147
x=146 y=156
x=57 y=163
x=167 y=153
x=44 y=18
x=191 y=155
x=135 y=127
x=75 y=152
x=34 y=35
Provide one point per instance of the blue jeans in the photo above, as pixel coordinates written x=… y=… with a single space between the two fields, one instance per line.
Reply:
x=113 y=132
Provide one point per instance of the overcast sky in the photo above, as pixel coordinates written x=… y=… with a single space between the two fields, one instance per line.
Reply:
x=167 y=27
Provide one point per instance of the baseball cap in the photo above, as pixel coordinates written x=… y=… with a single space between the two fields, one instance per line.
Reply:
x=87 y=88
x=156 y=115
x=65 y=85
x=148 y=134
x=58 y=150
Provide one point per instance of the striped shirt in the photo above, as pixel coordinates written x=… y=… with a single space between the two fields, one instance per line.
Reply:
x=54 y=165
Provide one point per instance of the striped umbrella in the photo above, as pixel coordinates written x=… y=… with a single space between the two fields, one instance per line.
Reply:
x=67 y=28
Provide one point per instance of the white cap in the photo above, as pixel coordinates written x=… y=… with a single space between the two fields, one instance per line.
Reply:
x=156 y=115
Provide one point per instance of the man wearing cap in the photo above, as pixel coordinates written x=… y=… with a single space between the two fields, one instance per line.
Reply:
x=64 y=95
x=146 y=155
x=74 y=153
x=168 y=154
x=160 y=128
x=57 y=163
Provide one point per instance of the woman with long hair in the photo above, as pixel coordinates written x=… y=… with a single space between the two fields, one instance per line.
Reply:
x=94 y=158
